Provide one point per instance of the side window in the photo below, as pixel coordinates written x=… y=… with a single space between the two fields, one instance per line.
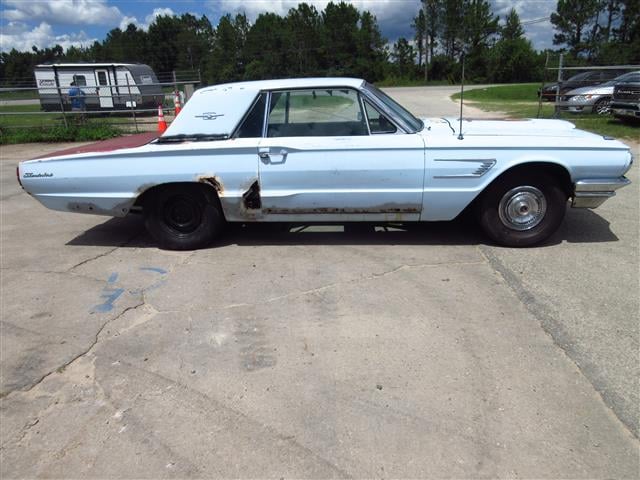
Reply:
x=316 y=113
x=81 y=80
x=252 y=125
x=378 y=122
x=102 y=78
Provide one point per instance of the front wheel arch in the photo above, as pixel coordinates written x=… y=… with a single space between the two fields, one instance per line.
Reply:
x=553 y=170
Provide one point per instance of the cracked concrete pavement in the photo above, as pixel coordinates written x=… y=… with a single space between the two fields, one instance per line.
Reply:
x=317 y=353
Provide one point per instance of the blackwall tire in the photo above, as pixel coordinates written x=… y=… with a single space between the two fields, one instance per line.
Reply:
x=522 y=210
x=183 y=217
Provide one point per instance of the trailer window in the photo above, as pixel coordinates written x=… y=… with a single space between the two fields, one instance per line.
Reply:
x=102 y=78
x=81 y=80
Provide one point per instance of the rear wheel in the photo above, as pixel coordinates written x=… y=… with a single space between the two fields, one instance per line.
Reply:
x=522 y=210
x=183 y=217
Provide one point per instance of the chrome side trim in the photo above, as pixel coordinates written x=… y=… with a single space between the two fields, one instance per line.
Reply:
x=486 y=164
x=594 y=192
x=601 y=184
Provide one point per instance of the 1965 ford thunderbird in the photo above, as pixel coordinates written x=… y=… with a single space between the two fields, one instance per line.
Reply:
x=325 y=150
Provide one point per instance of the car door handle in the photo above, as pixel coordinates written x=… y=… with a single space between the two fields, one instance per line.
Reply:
x=273 y=156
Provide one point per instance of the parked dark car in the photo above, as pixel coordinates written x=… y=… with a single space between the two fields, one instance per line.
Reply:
x=584 y=79
x=626 y=99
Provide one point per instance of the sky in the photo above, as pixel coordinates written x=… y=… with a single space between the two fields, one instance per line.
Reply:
x=44 y=23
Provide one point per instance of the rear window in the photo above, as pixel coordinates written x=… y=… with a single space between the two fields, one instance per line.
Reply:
x=252 y=125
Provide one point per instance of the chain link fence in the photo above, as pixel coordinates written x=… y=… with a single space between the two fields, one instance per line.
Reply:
x=23 y=104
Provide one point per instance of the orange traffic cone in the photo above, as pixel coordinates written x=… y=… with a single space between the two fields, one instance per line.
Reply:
x=176 y=102
x=162 y=124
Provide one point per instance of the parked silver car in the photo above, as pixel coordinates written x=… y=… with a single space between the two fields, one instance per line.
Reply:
x=593 y=99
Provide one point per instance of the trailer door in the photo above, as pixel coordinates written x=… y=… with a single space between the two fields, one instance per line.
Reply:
x=104 y=89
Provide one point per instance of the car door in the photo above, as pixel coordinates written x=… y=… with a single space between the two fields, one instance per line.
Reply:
x=104 y=88
x=319 y=160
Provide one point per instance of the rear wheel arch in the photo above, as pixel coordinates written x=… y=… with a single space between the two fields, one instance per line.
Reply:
x=207 y=188
x=182 y=215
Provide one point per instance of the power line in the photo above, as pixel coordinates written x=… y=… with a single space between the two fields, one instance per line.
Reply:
x=535 y=20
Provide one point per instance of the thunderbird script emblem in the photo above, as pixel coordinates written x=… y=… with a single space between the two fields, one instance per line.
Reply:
x=210 y=115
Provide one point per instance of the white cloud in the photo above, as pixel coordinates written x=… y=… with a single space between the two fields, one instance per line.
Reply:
x=66 y=12
x=148 y=20
x=17 y=35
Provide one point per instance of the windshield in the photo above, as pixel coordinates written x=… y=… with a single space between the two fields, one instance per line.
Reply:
x=580 y=76
x=398 y=110
x=627 y=77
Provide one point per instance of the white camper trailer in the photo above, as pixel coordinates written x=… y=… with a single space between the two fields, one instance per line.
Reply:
x=107 y=86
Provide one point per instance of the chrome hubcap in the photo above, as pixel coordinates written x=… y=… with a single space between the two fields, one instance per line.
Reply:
x=522 y=208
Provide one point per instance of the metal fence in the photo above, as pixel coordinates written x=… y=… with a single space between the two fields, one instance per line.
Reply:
x=559 y=91
x=21 y=103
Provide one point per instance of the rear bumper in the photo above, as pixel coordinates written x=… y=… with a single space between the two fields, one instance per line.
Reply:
x=593 y=192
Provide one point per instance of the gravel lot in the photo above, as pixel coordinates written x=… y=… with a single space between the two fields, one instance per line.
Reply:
x=318 y=353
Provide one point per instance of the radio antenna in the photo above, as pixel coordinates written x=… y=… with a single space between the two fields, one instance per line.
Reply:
x=460 y=136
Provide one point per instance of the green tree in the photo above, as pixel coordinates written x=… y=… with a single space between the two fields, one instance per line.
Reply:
x=268 y=47
x=572 y=20
x=403 y=56
x=371 y=54
x=304 y=25
x=419 y=26
x=340 y=37
x=512 y=59
x=227 y=60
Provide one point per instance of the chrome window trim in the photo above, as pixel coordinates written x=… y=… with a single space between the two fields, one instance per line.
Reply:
x=398 y=129
x=267 y=109
x=398 y=122
x=364 y=112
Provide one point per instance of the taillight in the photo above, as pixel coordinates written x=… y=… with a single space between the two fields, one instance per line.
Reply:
x=18 y=175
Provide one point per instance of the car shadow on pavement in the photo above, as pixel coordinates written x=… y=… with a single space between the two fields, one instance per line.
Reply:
x=580 y=226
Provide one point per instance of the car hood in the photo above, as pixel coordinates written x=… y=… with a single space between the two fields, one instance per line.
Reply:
x=533 y=127
x=540 y=132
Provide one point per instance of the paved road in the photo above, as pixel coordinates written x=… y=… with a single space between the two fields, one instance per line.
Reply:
x=436 y=101
x=316 y=353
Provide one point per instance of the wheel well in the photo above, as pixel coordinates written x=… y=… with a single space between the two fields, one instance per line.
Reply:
x=552 y=169
x=209 y=188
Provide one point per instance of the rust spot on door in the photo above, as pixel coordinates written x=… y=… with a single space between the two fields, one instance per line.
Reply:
x=251 y=198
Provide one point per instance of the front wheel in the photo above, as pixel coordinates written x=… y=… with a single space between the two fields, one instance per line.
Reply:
x=522 y=210
x=602 y=106
x=183 y=217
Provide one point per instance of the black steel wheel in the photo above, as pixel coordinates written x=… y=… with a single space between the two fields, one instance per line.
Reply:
x=183 y=216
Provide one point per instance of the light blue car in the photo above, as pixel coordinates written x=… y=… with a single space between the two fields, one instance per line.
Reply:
x=325 y=150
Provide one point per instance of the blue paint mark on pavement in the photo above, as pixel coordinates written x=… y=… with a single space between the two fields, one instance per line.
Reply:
x=109 y=294
x=159 y=270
